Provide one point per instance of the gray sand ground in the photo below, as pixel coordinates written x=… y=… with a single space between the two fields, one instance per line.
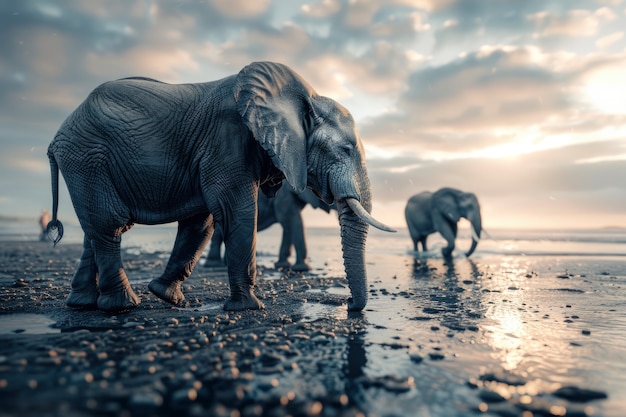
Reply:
x=304 y=355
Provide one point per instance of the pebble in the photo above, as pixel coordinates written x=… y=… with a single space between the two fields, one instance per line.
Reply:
x=142 y=400
x=416 y=358
x=579 y=395
x=392 y=383
x=436 y=356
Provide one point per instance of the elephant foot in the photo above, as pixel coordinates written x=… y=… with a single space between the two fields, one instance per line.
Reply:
x=83 y=300
x=167 y=291
x=118 y=300
x=301 y=267
x=282 y=265
x=249 y=302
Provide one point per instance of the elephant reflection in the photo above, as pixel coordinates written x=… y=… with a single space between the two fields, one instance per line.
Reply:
x=284 y=208
x=428 y=212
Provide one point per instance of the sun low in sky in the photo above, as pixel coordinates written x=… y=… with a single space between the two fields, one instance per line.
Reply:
x=521 y=103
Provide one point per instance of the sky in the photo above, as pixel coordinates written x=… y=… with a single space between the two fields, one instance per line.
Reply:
x=521 y=102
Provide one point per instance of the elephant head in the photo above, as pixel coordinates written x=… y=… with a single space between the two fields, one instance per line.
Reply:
x=451 y=204
x=313 y=141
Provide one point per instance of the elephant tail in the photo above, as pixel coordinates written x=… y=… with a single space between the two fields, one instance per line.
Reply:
x=54 y=230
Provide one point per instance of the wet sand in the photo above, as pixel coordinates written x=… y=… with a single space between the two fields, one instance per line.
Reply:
x=493 y=336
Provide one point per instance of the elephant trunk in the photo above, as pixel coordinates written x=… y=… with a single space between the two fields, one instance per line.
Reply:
x=476 y=223
x=353 y=237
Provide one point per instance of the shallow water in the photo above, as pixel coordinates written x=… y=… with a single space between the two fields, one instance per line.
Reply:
x=27 y=324
x=550 y=318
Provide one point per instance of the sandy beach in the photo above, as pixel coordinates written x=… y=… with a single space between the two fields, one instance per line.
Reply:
x=494 y=335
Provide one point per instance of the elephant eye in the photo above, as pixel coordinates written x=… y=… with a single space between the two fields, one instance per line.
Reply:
x=346 y=148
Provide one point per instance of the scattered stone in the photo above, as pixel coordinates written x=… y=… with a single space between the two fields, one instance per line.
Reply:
x=416 y=357
x=580 y=395
x=392 y=383
x=504 y=377
x=489 y=396
x=436 y=356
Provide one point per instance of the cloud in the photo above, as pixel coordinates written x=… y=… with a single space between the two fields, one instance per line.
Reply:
x=501 y=101
x=606 y=41
x=446 y=92
x=549 y=184
x=574 y=23
x=480 y=96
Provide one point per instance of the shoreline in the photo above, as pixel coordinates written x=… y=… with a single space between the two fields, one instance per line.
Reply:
x=436 y=340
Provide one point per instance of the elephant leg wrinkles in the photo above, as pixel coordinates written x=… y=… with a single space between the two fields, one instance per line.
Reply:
x=193 y=236
x=240 y=241
x=116 y=294
x=84 y=289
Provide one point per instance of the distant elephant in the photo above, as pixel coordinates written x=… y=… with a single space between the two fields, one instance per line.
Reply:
x=142 y=151
x=284 y=208
x=428 y=212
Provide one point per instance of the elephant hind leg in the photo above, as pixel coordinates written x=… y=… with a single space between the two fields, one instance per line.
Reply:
x=193 y=236
x=84 y=290
x=116 y=294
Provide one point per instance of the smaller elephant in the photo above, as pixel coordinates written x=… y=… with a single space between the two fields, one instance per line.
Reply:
x=428 y=212
x=284 y=208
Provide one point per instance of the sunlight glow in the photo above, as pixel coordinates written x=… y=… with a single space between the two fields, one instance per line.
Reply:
x=606 y=158
x=606 y=88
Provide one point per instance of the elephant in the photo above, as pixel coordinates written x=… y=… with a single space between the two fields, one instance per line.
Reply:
x=429 y=212
x=142 y=151
x=284 y=208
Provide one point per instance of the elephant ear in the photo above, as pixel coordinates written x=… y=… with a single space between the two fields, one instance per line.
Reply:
x=445 y=202
x=275 y=103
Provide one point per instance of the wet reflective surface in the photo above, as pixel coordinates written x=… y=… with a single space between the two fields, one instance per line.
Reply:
x=27 y=324
x=498 y=334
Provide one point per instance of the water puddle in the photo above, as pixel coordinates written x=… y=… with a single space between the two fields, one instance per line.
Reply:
x=203 y=307
x=26 y=323
x=344 y=291
x=316 y=311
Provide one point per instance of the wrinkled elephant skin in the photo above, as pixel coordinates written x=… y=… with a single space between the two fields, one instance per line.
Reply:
x=284 y=208
x=142 y=151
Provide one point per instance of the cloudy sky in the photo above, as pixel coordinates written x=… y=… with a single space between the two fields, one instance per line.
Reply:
x=521 y=102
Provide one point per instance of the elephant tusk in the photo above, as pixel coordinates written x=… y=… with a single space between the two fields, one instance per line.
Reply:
x=475 y=235
x=358 y=209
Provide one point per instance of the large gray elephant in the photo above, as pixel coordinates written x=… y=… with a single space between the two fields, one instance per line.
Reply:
x=286 y=209
x=142 y=151
x=428 y=212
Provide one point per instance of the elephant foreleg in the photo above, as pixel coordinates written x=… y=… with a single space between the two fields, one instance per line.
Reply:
x=449 y=233
x=84 y=289
x=192 y=237
x=240 y=241
x=116 y=293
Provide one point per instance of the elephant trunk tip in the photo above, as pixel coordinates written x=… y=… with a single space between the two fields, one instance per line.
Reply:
x=356 y=306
